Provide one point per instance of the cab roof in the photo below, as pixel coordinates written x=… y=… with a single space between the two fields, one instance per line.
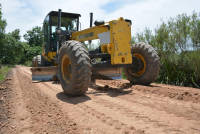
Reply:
x=64 y=14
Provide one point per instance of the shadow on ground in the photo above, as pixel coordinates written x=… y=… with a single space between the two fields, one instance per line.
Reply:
x=118 y=90
x=73 y=100
x=111 y=91
x=53 y=82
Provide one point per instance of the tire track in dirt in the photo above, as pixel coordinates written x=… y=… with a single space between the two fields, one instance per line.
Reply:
x=151 y=103
x=150 y=118
x=45 y=115
x=124 y=109
x=77 y=109
x=104 y=118
x=94 y=114
x=161 y=103
x=112 y=121
x=183 y=108
x=91 y=111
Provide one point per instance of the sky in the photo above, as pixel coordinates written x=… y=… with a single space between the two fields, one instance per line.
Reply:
x=26 y=14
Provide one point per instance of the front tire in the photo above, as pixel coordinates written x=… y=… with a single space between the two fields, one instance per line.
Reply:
x=74 y=68
x=150 y=65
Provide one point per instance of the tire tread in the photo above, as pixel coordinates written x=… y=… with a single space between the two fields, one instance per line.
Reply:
x=81 y=66
x=152 y=64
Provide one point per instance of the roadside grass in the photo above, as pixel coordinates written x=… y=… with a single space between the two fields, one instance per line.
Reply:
x=4 y=71
x=123 y=74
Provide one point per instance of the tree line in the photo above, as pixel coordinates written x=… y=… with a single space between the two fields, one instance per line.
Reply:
x=14 y=51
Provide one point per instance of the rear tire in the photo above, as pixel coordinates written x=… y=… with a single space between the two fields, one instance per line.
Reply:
x=74 y=68
x=39 y=61
x=150 y=65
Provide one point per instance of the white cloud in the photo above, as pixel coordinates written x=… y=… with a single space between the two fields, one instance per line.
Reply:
x=146 y=13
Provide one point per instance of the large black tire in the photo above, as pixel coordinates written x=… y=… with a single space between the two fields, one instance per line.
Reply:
x=39 y=61
x=34 y=62
x=150 y=66
x=77 y=80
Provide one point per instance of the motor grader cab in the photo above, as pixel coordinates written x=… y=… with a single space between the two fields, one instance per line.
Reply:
x=64 y=56
x=69 y=22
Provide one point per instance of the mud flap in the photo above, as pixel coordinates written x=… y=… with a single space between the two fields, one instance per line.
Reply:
x=44 y=73
x=115 y=73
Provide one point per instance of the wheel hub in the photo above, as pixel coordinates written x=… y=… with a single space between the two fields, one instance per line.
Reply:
x=142 y=60
x=66 y=68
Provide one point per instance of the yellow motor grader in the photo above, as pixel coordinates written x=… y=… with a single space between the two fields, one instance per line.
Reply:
x=64 y=56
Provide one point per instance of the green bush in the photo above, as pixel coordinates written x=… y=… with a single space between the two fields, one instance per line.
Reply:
x=4 y=71
x=28 y=63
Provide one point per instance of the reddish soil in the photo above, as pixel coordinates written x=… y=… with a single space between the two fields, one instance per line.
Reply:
x=109 y=106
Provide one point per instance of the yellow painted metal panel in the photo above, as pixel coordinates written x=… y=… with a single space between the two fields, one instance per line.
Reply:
x=120 y=37
x=90 y=33
x=51 y=55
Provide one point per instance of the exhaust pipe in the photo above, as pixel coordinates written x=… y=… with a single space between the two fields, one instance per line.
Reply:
x=91 y=20
x=58 y=30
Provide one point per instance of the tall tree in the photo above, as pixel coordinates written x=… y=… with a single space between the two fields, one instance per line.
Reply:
x=12 y=49
x=2 y=25
x=34 y=37
x=2 y=33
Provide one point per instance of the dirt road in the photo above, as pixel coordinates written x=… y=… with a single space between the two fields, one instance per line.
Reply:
x=110 y=106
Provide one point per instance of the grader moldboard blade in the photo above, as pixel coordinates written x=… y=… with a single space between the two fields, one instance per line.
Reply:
x=51 y=73
x=44 y=73
x=114 y=73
